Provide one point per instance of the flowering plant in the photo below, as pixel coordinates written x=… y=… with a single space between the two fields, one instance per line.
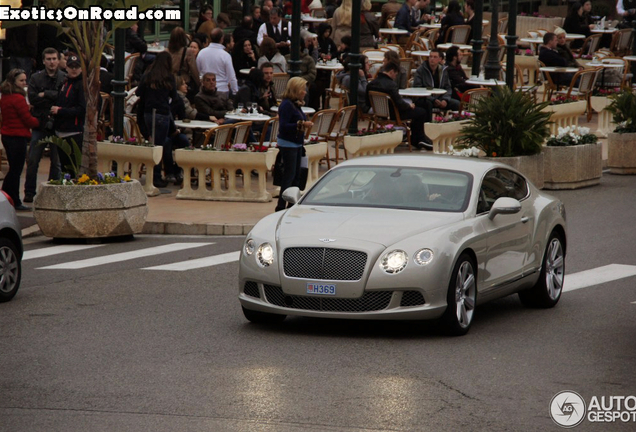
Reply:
x=601 y=91
x=571 y=136
x=84 y=180
x=452 y=117
x=130 y=141
x=562 y=99
x=239 y=147
x=380 y=129
x=526 y=52
x=463 y=151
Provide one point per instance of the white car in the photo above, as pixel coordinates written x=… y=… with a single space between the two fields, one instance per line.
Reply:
x=11 y=249
x=405 y=237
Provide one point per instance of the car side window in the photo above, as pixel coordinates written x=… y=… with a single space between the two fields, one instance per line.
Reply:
x=500 y=183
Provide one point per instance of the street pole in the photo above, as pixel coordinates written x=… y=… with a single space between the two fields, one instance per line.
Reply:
x=354 y=61
x=492 y=65
x=477 y=40
x=512 y=43
x=119 y=83
x=294 y=62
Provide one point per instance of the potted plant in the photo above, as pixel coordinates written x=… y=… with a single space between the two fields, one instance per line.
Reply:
x=600 y=100
x=444 y=130
x=225 y=162
x=133 y=152
x=621 y=144
x=572 y=159
x=510 y=127
x=366 y=142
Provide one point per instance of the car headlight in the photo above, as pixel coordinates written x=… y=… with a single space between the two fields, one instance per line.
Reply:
x=249 y=247
x=394 y=262
x=423 y=256
x=265 y=255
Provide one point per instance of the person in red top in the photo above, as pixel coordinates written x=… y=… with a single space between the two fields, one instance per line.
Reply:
x=17 y=122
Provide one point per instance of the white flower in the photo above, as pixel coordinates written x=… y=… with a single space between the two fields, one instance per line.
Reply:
x=584 y=130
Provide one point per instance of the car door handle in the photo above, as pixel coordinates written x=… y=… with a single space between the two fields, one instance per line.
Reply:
x=525 y=219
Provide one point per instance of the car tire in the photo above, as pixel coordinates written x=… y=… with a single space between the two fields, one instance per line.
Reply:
x=263 y=317
x=547 y=291
x=461 y=297
x=10 y=270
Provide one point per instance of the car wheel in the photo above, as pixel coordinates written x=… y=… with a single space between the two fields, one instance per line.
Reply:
x=10 y=270
x=461 y=298
x=547 y=291
x=263 y=317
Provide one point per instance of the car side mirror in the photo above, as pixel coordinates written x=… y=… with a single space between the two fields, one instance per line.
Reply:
x=504 y=206
x=291 y=195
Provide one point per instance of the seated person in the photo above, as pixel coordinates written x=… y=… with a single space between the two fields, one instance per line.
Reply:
x=268 y=92
x=456 y=73
x=549 y=56
x=385 y=83
x=211 y=103
x=563 y=49
x=344 y=78
x=432 y=74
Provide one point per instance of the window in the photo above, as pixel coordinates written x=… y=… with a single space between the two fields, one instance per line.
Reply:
x=500 y=183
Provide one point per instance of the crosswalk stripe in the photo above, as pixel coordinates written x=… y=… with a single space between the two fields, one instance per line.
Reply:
x=55 y=250
x=597 y=276
x=199 y=263
x=125 y=256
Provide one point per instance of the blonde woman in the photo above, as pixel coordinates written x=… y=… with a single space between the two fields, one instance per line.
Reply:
x=291 y=134
x=341 y=21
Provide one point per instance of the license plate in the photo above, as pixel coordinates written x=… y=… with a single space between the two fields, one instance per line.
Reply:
x=321 y=289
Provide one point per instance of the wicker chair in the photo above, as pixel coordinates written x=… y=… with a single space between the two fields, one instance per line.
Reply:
x=382 y=105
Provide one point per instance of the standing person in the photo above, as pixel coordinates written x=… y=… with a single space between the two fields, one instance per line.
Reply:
x=469 y=9
x=405 y=18
x=270 y=54
x=308 y=73
x=44 y=87
x=16 y=124
x=214 y=59
x=341 y=21
x=291 y=134
x=156 y=88
x=278 y=29
x=184 y=60
x=206 y=14
x=69 y=111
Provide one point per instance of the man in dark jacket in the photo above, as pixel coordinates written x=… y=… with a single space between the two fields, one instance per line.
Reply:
x=549 y=56
x=210 y=102
x=44 y=87
x=69 y=111
x=405 y=18
x=432 y=74
x=385 y=83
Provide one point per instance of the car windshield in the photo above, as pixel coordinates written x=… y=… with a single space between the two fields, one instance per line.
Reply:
x=393 y=187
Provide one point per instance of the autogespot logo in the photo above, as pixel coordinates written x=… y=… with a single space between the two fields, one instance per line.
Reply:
x=567 y=409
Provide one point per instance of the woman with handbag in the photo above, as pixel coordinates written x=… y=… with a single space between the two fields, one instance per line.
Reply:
x=17 y=122
x=291 y=134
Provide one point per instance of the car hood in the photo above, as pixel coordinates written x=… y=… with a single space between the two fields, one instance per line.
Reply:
x=377 y=225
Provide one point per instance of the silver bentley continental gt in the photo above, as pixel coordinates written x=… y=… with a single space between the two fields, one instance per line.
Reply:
x=406 y=237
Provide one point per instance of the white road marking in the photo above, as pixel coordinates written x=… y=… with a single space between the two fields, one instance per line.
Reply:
x=55 y=250
x=199 y=263
x=597 y=276
x=633 y=302
x=125 y=256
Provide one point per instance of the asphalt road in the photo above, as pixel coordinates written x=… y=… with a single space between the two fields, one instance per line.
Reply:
x=117 y=346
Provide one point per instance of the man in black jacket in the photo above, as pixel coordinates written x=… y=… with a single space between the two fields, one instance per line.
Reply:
x=44 y=87
x=549 y=56
x=385 y=83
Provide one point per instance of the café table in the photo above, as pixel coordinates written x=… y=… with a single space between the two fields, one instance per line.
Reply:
x=329 y=66
x=600 y=30
x=420 y=53
x=446 y=46
x=573 y=36
x=605 y=66
x=485 y=82
x=152 y=48
x=195 y=124
x=247 y=117
x=245 y=71
x=306 y=109
x=310 y=19
x=416 y=92
x=432 y=26
x=375 y=56
x=393 y=33
x=554 y=69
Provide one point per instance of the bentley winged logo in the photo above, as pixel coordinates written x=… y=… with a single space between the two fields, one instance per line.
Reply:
x=327 y=240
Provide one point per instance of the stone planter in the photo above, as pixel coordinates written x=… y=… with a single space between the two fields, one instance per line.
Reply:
x=369 y=145
x=443 y=135
x=605 y=119
x=621 y=153
x=107 y=210
x=572 y=167
x=225 y=163
x=315 y=153
x=136 y=156
x=566 y=114
x=530 y=166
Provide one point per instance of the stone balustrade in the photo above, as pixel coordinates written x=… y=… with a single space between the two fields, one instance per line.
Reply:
x=223 y=167
x=136 y=156
x=443 y=135
x=566 y=114
x=369 y=145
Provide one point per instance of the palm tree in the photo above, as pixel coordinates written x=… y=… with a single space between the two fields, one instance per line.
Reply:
x=88 y=40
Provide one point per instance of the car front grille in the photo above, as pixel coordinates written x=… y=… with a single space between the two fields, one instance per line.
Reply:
x=370 y=301
x=251 y=289
x=324 y=263
x=412 y=298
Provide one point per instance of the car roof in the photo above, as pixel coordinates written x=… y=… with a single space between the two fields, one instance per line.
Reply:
x=474 y=166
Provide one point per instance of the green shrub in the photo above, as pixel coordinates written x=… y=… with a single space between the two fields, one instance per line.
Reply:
x=623 y=109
